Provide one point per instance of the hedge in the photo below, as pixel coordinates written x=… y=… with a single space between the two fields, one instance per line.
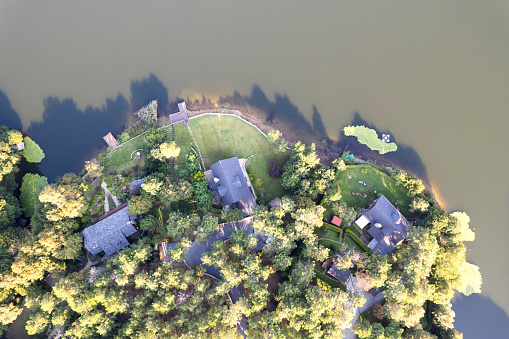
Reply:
x=334 y=228
x=358 y=240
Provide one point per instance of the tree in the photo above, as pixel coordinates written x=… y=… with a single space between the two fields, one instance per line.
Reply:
x=470 y=279
x=9 y=208
x=140 y=204
x=154 y=136
x=232 y=215
x=66 y=198
x=344 y=211
x=279 y=143
x=93 y=168
x=165 y=151
x=148 y=114
x=32 y=151
x=419 y=204
x=275 y=171
x=193 y=162
x=32 y=186
x=8 y=160
x=152 y=184
x=148 y=223
x=171 y=192
x=458 y=225
x=339 y=164
x=208 y=225
x=369 y=137
x=203 y=195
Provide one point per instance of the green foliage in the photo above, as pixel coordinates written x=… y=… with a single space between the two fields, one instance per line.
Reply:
x=409 y=181
x=32 y=151
x=208 y=225
x=148 y=114
x=358 y=240
x=334 y=228
x=193 y=163
x=32 y=186
x=177 y=191
x=279 y=143
x=153 y=183
x=124 y=137
x=9 y=208
x=202 y=195
x=232 y=215
x=368 y=137
x=419 y=204
x=8 y=160
x=470 y=279
x=154 y=137
x=344 y=211
x=140 y=204
x=166 y=150
x=148 y=223
x=66 y=198
x=297 y=170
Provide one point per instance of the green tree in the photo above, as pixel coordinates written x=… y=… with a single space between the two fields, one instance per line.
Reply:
x=279 y=143
x=181 y=190
x=93 y=168
x=203 y=195
x=148 y=114
x=419 y=204
x=208 y=225
x=154 y=137
x=32 y=151
x=148 y=223
x=8 y=160
x=9 y=208
x=66 y=198
x=152 y=184
x=32 y=186
x=140 y=204
x=166 y=150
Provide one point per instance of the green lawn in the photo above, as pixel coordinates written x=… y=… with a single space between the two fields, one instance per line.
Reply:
x=352 y=244
x=225 y=136
x=111 y=203
x=376 y=181
x=120 y=157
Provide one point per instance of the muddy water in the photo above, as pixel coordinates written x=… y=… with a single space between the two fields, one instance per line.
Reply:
x=433 y=74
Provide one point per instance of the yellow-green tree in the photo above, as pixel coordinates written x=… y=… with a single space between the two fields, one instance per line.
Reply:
x=166 y=150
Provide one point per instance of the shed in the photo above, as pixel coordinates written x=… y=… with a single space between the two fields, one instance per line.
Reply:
x=336 y=221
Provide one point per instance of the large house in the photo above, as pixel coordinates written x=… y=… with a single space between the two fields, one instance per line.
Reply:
x=109 y=234
x=388 y=225
x=230 y=183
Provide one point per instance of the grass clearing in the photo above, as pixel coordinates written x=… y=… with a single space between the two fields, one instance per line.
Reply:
x=376 y=181
x=111 y=203
x=120 y=158
x=224 y=136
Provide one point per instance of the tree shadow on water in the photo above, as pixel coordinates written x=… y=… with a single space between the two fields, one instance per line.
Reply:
x=478 y=316
x=68 y=135
x=8 y=116
x=405 y=157
x=147 y=89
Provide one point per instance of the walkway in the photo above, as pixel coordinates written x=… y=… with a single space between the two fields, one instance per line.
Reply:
x=198 y=147
x=106 y=194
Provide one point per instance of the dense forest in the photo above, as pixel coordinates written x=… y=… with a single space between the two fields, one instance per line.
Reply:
x=141 y=292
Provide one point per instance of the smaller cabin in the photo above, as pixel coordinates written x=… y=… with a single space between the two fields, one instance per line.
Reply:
x=336 y=221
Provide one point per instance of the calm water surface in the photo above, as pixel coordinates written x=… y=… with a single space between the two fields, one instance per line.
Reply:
x=434 y=73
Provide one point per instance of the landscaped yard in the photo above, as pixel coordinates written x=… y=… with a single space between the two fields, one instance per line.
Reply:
x=120 y=158
x=224 y=136
x=376 y=181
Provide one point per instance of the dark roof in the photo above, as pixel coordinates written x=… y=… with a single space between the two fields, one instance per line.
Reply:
x=340 y=274
x=109 y=235
x=229 y=181
x=392 y=225
x=137 y=184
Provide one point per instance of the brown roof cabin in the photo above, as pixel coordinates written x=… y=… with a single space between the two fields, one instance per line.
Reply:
x=110 y=140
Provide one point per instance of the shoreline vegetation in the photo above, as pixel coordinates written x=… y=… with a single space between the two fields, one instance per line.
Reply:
x=310 y=196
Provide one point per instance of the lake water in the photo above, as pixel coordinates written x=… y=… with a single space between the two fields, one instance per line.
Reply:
x=432 y=73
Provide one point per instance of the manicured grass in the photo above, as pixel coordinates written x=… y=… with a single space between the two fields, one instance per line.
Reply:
x=224 y=136
x=120 y=157
x=352 y=244
x=376 y=181
x=111 y=203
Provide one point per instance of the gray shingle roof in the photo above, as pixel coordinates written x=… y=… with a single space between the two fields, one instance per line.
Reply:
x=109 y=235
x=137 y=184
x=340 y=274
x=393 y=225
x=231 y=186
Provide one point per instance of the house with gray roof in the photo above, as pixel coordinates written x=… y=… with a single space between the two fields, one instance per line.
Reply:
x=230 y=183
x=109 y=234
x=342 y=275
x=388 y=228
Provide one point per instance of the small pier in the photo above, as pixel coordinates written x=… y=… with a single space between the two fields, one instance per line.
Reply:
x=181 y=115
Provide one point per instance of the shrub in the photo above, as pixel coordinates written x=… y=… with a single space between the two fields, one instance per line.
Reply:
x=124 y=137
x=334 y=228
x=368 y=137
x=275 y=171
x=32 y=152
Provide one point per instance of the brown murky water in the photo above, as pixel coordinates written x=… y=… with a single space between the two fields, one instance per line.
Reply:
x=435 y=74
